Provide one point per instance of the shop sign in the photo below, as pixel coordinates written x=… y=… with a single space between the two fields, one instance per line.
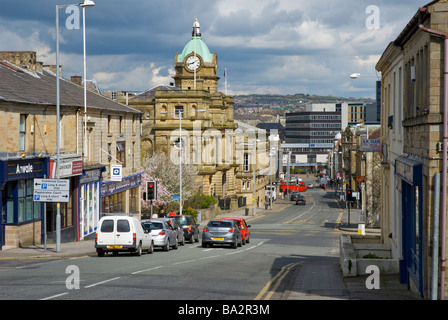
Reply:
x=108 y=188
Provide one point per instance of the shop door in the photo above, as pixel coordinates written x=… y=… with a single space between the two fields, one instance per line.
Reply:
x=412 y=232
x=2 y=221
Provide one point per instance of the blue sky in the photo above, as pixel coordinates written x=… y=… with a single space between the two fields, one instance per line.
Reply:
x=267 y=46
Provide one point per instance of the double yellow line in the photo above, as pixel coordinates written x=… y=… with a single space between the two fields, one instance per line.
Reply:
x=275 y=282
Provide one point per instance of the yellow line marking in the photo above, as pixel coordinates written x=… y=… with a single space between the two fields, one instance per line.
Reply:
x=280 y=276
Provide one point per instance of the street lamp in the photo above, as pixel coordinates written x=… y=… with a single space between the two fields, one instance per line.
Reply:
x=86 y=3
x=181 y=113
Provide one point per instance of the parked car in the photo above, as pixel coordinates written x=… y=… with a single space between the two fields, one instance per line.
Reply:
x=222 y=232
x=178 y=230
x=244 y=228
x=301 y=200
x=122 y=233
x=293 y=196
x=162 y=232
x=310 y=186
x=191 y=228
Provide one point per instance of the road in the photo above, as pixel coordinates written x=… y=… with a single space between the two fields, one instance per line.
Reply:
x=259 y=270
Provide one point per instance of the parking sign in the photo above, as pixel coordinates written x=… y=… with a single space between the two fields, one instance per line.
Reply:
x=116 y=172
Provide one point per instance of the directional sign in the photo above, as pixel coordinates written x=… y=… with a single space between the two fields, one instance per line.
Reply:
x=51 y=190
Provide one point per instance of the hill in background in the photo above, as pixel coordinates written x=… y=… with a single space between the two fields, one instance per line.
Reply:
x=257 y=108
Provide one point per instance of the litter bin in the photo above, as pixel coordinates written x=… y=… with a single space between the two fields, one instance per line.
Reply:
x=246 y=211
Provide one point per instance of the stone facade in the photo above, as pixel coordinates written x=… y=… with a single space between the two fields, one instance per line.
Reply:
x=412 y=106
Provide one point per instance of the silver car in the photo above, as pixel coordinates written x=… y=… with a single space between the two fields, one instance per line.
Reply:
x=162 y=233
x=178 y=230
x=222 y=232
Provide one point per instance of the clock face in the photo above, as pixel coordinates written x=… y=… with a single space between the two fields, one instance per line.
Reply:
x=193 y=63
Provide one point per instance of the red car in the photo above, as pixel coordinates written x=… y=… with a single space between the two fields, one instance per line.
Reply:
x=244 y=227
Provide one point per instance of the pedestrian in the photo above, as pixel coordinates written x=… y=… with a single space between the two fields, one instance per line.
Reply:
x=162 y=214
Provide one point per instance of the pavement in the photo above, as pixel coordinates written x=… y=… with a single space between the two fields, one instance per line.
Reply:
x=316 y=280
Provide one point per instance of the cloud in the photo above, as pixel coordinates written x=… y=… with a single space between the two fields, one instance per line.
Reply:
x=279 y=46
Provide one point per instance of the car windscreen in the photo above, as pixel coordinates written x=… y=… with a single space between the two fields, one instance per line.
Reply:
x=220 y=224
x=183 y=220
x=153 y=225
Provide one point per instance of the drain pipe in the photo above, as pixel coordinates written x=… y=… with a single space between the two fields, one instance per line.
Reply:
x=444 y=149
x=435 y=241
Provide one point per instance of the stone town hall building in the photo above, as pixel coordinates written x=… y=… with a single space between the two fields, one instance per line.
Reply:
x=213 y=139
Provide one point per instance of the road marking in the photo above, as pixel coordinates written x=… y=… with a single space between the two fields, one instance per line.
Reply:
x=55 y=296
x=150 y=269
x=185 y=262
x=277 y=279
x=299 y=216
x=102 y=282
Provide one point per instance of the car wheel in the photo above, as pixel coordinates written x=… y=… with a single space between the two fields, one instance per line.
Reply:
x=244 y=241
x=151 y=248
x=183 y=241
x=235 y=245
x=204 y=245
x=240 y=244
x=176 y=244
x=167 y=246
x=139 y=250
x=247 y=240
x=192 y=238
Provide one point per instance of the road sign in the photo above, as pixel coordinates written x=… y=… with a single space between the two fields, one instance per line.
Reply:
x=51 y=190
x=116 y=172
x=175 y=197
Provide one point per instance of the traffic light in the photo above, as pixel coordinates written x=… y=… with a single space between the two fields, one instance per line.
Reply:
x=151 y=190
x=349 y=195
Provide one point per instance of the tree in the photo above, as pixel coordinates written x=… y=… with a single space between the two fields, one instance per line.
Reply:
x=161 y=169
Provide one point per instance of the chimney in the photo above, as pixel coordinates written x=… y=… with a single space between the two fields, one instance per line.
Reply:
x=22 y=59
x=77 y=79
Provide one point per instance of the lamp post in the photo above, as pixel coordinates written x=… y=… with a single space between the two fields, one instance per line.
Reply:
x=86 y=3
x=181 y=113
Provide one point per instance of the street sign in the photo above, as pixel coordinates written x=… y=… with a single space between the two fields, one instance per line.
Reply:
x=51 y=190
x=116 y=172
x=175 y=197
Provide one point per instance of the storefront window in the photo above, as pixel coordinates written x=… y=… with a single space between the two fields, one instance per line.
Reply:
x=27 y=210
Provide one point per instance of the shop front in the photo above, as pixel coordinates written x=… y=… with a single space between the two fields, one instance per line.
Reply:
x=89 y=201
x=21 y=216
x=71 y=168
x=121 y=196
x=409 y=170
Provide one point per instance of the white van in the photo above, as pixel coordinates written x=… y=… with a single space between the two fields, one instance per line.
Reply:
x=122 y=233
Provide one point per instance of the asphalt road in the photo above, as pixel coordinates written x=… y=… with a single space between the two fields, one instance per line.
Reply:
x=259 y=270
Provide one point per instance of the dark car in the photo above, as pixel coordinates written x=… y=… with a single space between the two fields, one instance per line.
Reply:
x=300 y=199
x=294 y=196
x=191 y=228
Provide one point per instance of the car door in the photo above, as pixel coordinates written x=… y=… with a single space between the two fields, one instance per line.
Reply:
x=106 y=234
x=123 y=234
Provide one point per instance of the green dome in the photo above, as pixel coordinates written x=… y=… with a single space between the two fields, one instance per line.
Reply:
x=201 y=49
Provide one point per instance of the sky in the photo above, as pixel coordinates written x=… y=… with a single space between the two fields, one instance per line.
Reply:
x=266 y=46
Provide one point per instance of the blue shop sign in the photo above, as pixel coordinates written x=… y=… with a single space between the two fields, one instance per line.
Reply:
x=111 y=187
x=11 y=170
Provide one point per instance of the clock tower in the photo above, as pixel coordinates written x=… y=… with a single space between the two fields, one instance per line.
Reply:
x=196 y=67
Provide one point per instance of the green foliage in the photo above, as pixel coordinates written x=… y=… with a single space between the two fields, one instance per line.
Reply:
x=190 y=211
x=201 y=201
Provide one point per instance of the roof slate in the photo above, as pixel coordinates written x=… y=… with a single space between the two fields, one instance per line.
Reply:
x=21 y=86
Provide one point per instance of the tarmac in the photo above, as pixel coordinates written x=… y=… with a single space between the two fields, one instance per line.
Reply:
x=316 y=280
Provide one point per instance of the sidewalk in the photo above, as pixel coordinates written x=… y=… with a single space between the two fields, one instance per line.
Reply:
x=317 y=280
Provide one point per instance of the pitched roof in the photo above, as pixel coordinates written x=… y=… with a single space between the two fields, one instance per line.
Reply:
x=22 y=86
